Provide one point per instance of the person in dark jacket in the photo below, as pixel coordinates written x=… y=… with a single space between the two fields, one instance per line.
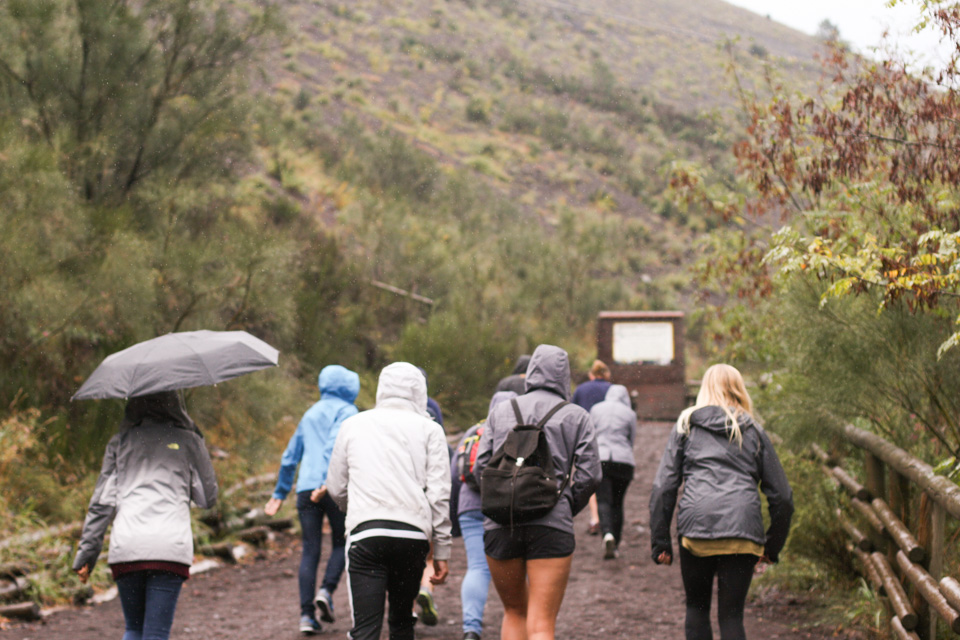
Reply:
x=516 y=381
x=595 y=389
x=476 y=582
x=720 y=455
x=152 y=469
x=310 y=448
x=530 y=563
x=616 y=425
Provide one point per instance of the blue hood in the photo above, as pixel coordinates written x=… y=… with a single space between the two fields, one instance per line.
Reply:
x=339 y=382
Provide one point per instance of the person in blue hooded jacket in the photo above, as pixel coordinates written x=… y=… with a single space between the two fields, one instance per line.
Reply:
x=310 y=448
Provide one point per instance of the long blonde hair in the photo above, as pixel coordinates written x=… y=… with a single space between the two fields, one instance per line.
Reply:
x=722 y=386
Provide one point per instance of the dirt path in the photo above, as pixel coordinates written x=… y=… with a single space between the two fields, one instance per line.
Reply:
x=626 y=598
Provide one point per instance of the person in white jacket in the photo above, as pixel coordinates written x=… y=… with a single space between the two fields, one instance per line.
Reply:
x=390 y=472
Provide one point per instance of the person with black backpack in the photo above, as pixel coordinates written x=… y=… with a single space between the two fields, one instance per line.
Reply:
x=476 y=582
x=538 y=464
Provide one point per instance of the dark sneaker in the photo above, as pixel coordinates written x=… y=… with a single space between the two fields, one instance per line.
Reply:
x=325 y=605
x=309 y=626
x=610 y=547
x=471 y=635
x=428 y=610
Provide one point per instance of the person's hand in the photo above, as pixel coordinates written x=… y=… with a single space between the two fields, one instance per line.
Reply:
x=272 y=506
x=762 y=565
x=440 y=572
x=84 y=573
x=665 y=557
x=317 y=494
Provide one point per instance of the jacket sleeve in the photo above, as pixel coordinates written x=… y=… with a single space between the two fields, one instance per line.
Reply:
x=774 y=484
x=438 y=491
x=663 y=496
x=103 y=507
x=586 y=465
x=331 y=438
x=632 y=435
x=288 y=463
x=338 y=472
x=203 y=480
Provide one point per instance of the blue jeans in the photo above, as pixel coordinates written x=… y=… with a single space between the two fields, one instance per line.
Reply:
x=148 y=600
x=311 y=526
x=476 y=584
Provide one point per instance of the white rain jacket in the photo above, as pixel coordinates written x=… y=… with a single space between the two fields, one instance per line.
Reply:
x=151 y=471
x=392 y=462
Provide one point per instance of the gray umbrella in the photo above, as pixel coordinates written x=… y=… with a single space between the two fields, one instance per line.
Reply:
x=177 y=361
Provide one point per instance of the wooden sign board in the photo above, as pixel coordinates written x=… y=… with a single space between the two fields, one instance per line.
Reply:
x=644 y=350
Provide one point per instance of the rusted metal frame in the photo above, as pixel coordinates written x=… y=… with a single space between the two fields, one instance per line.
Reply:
x=895 y=593
x=927 y=587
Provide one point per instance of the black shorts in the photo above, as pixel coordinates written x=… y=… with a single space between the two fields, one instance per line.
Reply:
x=531 y=542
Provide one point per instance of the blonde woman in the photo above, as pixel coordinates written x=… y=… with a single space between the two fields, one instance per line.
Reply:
x=720 y=455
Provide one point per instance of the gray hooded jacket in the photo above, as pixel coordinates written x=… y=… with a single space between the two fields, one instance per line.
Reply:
x=720 y=480
x=569 y=432
x=151 y=471
x=616 y=425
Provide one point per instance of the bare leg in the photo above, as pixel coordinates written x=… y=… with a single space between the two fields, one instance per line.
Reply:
x=510 y=579
x=548 y=582
x=594 y=515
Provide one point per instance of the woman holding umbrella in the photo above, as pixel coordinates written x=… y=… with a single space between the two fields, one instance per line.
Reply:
x=152 y=469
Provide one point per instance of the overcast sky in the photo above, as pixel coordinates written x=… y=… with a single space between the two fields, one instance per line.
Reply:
x=861 y=22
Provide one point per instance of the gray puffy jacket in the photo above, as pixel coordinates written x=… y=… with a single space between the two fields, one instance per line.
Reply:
x=616 y=425
x=720 y=480
x=151 y=471
x=569 y=432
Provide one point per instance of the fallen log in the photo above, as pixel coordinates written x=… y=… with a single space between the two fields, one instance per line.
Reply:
x=21 y=611
x=12 y=588
x=224 y=550
x=280 y=524
x=254 y=535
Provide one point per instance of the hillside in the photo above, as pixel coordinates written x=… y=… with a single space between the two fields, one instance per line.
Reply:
x=557 y=105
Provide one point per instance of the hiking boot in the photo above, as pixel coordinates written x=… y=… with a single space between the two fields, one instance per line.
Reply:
x=428 y=610
x=610 y=551
x=309 y=626
x=471 y=635
x=325 y=603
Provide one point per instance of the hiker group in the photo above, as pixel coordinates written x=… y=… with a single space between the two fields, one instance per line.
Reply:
x=395 y=493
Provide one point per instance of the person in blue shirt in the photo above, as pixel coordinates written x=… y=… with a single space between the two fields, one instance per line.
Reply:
x=310 y=448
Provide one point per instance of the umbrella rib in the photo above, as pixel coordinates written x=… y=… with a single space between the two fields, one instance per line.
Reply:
x=200 y=358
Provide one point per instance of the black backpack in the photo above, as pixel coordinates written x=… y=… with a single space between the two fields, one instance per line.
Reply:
x=520 y=483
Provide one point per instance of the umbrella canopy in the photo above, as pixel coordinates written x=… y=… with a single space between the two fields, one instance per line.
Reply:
x=178 y=361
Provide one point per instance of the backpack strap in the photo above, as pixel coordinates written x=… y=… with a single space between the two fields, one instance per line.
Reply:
x=543 y=421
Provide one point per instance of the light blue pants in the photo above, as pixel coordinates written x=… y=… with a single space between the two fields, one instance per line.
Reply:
x=476 y=584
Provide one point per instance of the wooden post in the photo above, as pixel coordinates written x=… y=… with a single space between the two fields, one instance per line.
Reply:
x=875 y=485
x=932 y=538
x=898 y=494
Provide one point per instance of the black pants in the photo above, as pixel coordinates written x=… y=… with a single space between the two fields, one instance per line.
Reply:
x=610 y=493
x=734 y=573
x=381 y=565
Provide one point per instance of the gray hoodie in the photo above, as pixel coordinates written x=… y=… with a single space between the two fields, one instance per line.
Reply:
x=720 y=480
x=616 y=425
x=570 y=435
x=151 y=471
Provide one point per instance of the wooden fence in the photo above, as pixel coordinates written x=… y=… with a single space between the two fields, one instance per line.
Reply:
x=897 y=532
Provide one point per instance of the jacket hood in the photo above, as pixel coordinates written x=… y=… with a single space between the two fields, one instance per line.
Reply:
x=549 y=369
x=500 y=396
x=164 y=407
x=714 y=418
x=402 y=386
x=618 y=393
x=521 y=367
x=339 y=382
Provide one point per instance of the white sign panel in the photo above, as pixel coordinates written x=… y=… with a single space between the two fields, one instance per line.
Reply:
x=643 y=342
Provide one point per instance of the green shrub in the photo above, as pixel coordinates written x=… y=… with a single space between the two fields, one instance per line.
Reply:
x=478 y=111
